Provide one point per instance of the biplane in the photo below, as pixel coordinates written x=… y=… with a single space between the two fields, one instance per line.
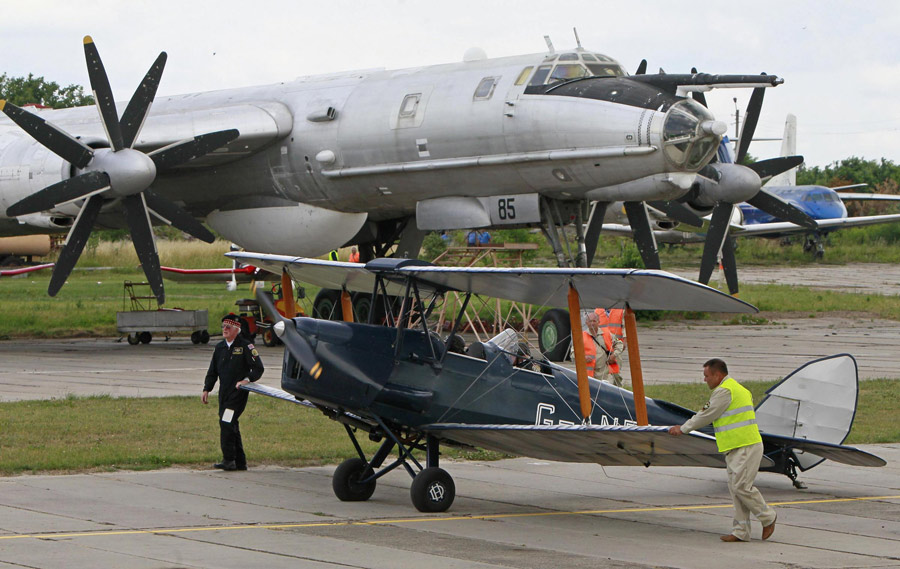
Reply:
x=410 y=390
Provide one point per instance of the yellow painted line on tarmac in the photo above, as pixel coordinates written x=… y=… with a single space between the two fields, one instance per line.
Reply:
x=102 y=533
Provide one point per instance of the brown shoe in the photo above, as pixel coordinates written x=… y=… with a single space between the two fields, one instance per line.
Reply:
x=730 y=538
x=769 y=529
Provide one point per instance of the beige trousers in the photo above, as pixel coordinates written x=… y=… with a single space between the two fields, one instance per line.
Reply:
x=742 y=465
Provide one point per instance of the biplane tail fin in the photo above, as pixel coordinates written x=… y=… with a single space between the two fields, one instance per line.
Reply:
x=813 y=409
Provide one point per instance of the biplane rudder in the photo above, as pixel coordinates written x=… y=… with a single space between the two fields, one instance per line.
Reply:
x=817 y=402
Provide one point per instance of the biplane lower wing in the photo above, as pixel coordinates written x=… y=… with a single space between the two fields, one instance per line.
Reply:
x=276 y=393
x=606 y=445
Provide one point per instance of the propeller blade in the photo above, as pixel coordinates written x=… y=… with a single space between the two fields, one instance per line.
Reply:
x=75 y=242
x=185 y=151
x=729 y=265
x=173 y=214
x=678 y=212
x=775 y=206
x=642 y=68
x=595 y=226
x=103 y=95
x=139 y=105
x=751 y=118
x=642 y=233
x=765 y=169
x=54 y=139
x=144 y=244
x=715 y=236
x=60 y=193
x=698 y=96
x=296 y=344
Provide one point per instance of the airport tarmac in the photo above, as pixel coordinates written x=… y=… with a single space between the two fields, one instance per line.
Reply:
x=512 y=513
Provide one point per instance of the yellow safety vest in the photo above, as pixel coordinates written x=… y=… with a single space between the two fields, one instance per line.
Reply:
x=736 y=427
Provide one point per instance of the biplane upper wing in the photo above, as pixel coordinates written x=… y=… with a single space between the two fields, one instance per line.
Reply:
x=602 y=444
x=641 y=289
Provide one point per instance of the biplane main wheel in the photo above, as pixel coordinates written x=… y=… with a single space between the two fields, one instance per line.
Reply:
x=554 y=334
x=432 y=490
x=346 y=481
x=133 y=339
x=327 y=305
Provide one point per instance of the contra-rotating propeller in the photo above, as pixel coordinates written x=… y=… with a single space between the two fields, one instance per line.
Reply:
x=118 y=172
x=296 y=344
x=730 y=184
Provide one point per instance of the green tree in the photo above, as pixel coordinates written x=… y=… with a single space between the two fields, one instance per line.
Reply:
x=26 y=90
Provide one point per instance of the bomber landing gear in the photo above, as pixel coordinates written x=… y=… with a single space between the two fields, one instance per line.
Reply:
x=432 y=488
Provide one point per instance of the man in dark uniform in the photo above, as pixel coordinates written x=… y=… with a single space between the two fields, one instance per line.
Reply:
x=235 y=362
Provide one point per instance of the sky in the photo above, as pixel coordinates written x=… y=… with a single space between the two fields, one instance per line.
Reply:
x=840 y=60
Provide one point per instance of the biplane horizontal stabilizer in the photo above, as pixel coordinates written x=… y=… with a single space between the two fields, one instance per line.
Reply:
x=838 y=453
x=606 y=445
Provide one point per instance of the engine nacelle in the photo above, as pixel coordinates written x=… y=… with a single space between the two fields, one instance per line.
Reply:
x=303 y=230
x=26 y=167
x=720 y=182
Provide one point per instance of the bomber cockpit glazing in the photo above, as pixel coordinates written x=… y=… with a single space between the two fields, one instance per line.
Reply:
x=562 y=67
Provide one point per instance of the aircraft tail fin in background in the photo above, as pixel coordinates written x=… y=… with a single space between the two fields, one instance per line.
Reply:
x=788 y=148
x=814 y=404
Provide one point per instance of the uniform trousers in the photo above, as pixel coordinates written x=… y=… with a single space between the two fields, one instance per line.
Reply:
x=742 y=465
x=230 y=440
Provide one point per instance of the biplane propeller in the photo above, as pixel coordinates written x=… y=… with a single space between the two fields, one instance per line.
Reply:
x=404 y=386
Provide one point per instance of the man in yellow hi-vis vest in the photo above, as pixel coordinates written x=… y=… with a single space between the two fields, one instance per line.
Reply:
x=730 y=410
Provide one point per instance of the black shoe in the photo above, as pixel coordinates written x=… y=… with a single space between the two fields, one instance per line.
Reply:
x=226 y=465
x=241 y=467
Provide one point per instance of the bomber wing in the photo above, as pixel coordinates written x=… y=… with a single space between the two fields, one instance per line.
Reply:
x=613 y=288
x=606 y=445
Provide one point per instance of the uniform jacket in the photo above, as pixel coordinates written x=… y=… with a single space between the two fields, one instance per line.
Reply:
x=229 y=366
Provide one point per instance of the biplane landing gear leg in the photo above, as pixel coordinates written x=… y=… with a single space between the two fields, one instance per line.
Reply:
x=354 y=479
x=432 y=489
x=790 y=470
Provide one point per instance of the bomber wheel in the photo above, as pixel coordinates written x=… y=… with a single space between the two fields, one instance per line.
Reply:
x=362 y=306
x=145 y=337
x=204 y=336
x=346 y=481
x=327 y=305
x=554 y=334
x=195 y=337
x=432 y=490
x=133 y=339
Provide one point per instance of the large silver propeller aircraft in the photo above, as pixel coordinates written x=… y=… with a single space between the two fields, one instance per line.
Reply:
x=373 y=158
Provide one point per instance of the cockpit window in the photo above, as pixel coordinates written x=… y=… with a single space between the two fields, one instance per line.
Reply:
x=605 y=70
x=564 y=72
x=540 y=75
x=588 y=57
x=523 y=76
x=602 y=57
x=568 y=57
x=485 y=89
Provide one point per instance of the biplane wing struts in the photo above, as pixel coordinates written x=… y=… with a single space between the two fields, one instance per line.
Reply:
x=412 y=391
